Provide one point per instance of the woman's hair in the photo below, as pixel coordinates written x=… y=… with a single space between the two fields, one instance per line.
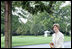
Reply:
x=57 y=25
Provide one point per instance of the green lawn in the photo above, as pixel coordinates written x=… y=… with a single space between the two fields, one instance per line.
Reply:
x=29 y=40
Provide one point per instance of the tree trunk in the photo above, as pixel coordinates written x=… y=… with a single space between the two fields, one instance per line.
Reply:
x=8 y=34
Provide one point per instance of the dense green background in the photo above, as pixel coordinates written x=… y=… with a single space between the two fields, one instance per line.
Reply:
x=42 y=17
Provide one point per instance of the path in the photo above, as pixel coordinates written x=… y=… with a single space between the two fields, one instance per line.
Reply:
x=66 y=45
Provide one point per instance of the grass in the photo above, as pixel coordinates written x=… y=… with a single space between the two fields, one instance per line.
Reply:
x=30 y=40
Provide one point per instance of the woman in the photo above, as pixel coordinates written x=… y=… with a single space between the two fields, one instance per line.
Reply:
x=57 y=37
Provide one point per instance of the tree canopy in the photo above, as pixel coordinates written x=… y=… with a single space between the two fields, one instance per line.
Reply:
x=40 y=15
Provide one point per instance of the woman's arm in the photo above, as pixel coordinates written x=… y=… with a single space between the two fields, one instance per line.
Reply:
x=52 y=43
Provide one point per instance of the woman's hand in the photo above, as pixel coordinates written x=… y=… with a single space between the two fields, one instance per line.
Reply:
x=51 y=45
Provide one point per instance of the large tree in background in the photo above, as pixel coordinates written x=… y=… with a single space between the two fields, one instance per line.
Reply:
x=8 y=30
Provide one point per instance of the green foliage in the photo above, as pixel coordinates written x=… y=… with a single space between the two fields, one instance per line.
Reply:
x=1 y=35
x=23 y=29
x=39 y=6
x=36 y=26
x=2 y=17
x=44 y=15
